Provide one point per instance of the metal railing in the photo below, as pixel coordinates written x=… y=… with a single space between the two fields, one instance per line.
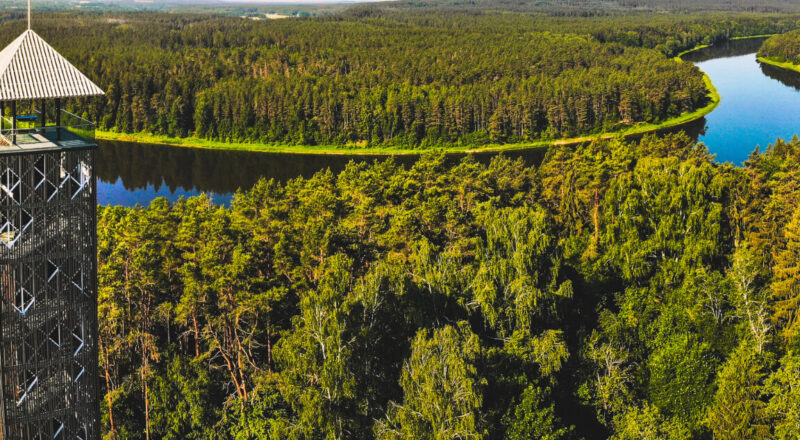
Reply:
x=29 y=130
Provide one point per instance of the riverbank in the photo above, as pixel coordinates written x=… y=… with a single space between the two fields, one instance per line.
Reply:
x=782 y=65
x=189 y=142
x=679 y=56
x=635 y=130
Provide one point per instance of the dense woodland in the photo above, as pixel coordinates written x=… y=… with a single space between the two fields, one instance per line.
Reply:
x=375 y=77
x=617 y=290
x=600 y=7
x=378 y=82
x=782 y=48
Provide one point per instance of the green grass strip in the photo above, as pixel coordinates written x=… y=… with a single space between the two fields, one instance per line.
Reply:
x=781 y=64
x=192 y=142
x=637 y=129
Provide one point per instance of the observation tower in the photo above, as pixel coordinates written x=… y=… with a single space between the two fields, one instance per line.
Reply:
x=48 y=241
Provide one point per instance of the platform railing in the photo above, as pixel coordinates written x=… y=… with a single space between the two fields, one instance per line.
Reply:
x=65 y=127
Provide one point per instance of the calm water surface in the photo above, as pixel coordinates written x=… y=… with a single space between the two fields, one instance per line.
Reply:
x=760 y=103
x=131 y=173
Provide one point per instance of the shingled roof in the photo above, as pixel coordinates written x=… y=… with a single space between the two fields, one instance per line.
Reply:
x=31 y=69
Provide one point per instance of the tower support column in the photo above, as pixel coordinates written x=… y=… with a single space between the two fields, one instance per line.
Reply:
x=58 y=119
x=43 y=115
x=13 y=122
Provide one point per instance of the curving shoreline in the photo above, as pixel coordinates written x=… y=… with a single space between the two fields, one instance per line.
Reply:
x=639 y=129
x=780 y=64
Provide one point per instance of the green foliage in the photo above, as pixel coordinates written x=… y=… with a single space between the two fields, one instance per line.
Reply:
x=786 y=285
x=182 y=400
x=517 y=280
x=738 y=411
x=534 y=417
x=441 y=389
x=393 y=81
x=315 y=356
x=784 y=48
x=783 y=389
x=681 y=378
x=620 y=290
x=266 y=417
x=646 y=422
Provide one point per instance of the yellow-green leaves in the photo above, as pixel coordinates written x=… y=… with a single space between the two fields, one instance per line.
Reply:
x=441 y=389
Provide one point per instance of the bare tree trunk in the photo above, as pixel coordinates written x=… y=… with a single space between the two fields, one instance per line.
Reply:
x=113 y=430
x=146 y=396
x=196 y=336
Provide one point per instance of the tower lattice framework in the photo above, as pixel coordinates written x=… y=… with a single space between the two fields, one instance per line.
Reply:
x=49 y=295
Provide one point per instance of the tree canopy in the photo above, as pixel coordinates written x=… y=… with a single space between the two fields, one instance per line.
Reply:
x=387 y=78
x=642 y=293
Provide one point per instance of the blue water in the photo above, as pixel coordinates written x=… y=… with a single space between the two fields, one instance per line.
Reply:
x=755 y=109
x=129 y=174
x=760 y=103
x=116 y=193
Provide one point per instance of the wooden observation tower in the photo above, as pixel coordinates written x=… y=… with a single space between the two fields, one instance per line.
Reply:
x=48 y=241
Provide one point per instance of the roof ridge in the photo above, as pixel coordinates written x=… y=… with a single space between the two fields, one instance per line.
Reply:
x=8 y=52
x=32 y=69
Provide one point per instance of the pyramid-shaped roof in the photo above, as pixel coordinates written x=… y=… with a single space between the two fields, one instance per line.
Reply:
x=31 y=69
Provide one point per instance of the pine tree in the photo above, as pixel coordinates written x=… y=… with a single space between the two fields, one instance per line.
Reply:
x=783 y=387
x=786 y=283
x=737 y=412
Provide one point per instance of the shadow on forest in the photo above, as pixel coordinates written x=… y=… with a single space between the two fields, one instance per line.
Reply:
x=786 y=77
x=730 y=48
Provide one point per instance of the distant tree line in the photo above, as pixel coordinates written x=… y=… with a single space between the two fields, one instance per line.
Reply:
x=618 y=290
x=462 y=80
x=583 y=8
x=376 y=82
x=387 y=78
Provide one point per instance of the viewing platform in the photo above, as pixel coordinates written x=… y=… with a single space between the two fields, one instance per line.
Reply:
x=31 y=133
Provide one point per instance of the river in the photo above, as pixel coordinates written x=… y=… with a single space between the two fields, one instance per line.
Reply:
x=132 y=173
x=760 y=103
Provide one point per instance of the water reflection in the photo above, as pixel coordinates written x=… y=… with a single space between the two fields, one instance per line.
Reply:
x=759 y=103
x=131 y=173
x=726 y=49
x=787 y=77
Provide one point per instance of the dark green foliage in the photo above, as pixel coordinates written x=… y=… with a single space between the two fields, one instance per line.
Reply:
x=394 y=80
x=783 y=48
x=640 y=282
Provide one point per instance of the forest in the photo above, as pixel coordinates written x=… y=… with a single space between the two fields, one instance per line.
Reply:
x=601 y=7
x=617 y=290
x=388 y=78
x=783 y=48
x=381 y=82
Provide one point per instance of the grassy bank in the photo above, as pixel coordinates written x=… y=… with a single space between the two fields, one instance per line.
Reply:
x=754 y=36
x=191 y=142
x=698 y=47
x=638 y=129
x=781 y=64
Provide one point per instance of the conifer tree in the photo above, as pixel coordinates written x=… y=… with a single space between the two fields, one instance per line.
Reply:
x=737 y=412
x=786 y=284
